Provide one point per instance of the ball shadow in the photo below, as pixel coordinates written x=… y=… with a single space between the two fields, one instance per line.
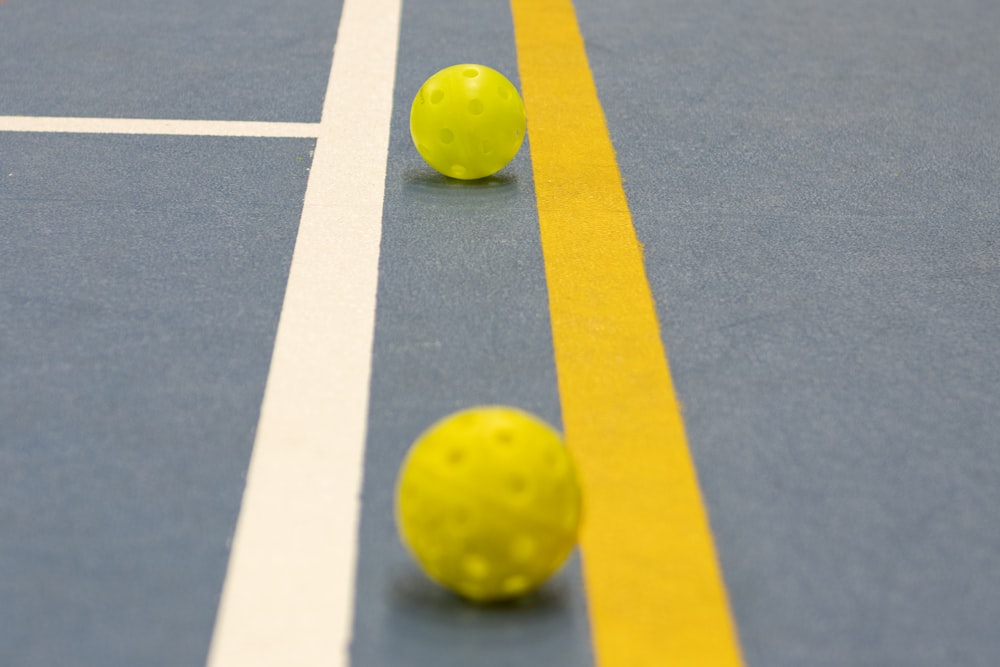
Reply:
x=412 y=592
x=432 y=180
x=432 y=187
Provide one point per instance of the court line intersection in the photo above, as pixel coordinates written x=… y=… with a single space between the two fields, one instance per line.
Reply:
x=288 y=594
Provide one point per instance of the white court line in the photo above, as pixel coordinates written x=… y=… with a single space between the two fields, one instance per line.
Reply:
x=211 y=128
x=288 y=599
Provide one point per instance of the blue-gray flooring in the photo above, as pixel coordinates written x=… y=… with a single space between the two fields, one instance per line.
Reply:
x=462 y=320
x=817 y=186
x=194 y=59
x=142 y=279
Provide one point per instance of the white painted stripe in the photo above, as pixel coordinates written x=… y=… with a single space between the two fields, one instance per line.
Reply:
x=289 y=595
x=215 y=128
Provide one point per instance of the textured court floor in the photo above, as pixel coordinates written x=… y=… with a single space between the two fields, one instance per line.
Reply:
x=816 y=188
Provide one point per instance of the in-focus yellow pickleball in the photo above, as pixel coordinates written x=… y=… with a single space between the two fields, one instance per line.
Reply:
x=488 y=502
x=467 y=121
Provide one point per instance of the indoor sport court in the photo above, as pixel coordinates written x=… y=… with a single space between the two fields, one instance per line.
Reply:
x=747 y=260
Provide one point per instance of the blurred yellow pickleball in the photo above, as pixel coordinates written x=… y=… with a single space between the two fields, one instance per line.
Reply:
x=488 y=502
x=467 y=121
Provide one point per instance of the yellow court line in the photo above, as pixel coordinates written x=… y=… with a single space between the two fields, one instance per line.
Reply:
x=654 y=588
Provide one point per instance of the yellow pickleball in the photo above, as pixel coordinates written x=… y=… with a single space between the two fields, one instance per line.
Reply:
x=467 y=121
x=488 y=502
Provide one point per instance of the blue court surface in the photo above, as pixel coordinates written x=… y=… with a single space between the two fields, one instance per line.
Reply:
x=211 y=273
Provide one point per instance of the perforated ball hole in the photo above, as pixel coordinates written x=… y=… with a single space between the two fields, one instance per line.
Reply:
x=446 y=136
x=456 y=456
x=470 y=73
x=475 y=107
x=517 y=485
x=437 y=97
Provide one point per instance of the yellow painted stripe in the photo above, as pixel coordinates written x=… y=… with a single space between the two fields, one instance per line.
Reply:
x=655 y=592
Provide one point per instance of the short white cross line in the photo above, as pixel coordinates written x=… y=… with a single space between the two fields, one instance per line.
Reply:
x=166 y=126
